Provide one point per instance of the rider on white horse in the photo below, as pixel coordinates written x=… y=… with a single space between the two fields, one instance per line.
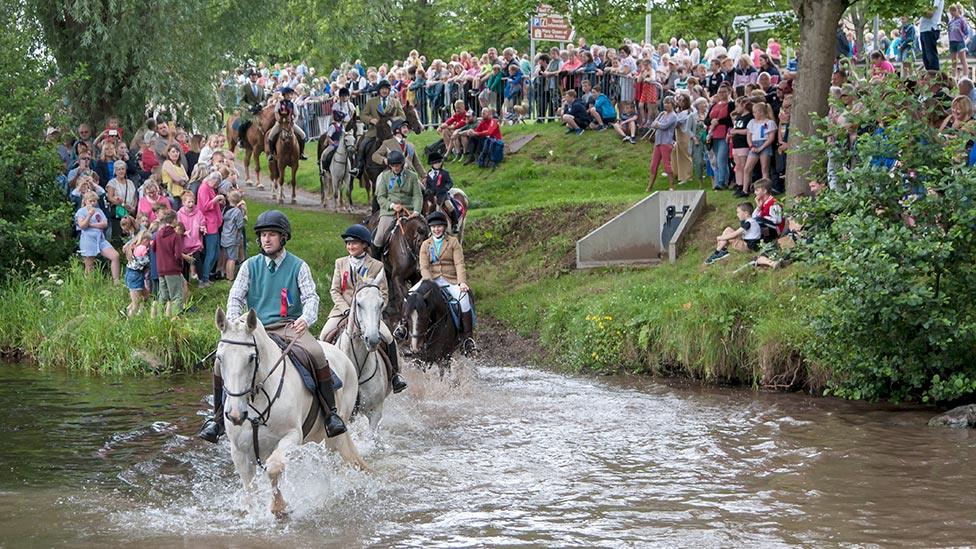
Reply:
x=350 y=271
x=287 y=98
x=279 y=287
x=442 y=262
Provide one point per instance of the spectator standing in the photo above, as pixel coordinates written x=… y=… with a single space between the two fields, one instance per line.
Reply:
x=761 y=134
x=122 y=199
x=687 y=123
x=719 y=123
x=928 y=28
x=174 y=175
x=194 y=228
x=663 y=143
x=169 y=265
x=210 y=203
x=232 y=233
x=959 y=32
x=91 y=223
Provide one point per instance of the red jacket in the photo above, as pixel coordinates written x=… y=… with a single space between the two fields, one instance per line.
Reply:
x=488 y=128
x=169 y=251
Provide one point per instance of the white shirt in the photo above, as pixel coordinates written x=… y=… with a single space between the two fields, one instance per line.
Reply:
x=932 y=23
x=735 y=52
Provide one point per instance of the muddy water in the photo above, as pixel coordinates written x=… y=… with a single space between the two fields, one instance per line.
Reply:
x=493 y=456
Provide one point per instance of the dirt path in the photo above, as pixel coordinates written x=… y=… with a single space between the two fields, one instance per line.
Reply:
x=305 y=200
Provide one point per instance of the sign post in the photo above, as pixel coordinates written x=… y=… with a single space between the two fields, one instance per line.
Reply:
x=545 y=24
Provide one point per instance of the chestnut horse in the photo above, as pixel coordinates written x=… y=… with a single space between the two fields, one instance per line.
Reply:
x=286 y=156
x=253 y=142
x=401 y=259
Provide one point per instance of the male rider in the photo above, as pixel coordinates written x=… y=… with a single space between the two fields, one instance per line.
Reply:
x=399 y=143
x=351 y=270
x=287 y=98
x=252 y=96
x=398 y=192
x=279 y=287
x=382 y=106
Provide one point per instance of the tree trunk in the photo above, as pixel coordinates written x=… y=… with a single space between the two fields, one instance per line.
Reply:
x=859 y=19
x=818 y=21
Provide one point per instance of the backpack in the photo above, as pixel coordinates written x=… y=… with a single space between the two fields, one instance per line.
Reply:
x=492 y=153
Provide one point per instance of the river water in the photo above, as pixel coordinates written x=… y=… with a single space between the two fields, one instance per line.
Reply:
x=492 y=456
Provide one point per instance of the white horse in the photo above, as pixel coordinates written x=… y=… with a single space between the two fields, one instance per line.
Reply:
x=359 y=341
x=337 y=179
x=269 y=396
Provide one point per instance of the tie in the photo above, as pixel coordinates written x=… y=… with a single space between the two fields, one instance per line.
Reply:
x=382 y=105
x=272 y=266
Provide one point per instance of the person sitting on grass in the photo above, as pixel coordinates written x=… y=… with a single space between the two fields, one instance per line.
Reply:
x=768 y=212
x=627 y=125
x=775 y=257
x=574 y=114
x=602 y=110
x=746 y=238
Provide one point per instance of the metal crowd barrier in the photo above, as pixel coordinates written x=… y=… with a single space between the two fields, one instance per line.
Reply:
x=541 y=97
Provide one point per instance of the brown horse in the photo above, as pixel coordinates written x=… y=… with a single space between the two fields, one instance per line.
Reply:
x=286 y=156
x=368 y=177
x=431 y=333
x=401 y=260
x=253 y=141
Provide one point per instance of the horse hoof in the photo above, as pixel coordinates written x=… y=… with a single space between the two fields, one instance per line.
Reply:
x=280 y=514
x=249 y=183
x=293 y=201
x=259 y=187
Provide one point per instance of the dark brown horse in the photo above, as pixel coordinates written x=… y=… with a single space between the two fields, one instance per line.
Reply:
x=253 y=142
x=428 y=326
x=368 y=177
x=401 y=260
x=286 y=156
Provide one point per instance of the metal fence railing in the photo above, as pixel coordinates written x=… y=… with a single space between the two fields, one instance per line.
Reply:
x=538 y=98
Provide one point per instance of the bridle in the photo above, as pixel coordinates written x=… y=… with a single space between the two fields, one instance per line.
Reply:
x=255 y=388
x=355 y=322
x=430 y=329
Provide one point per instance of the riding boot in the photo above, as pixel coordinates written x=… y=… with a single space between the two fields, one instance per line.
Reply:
x=269 y=147
x=397 y=381
x=214 y=427
x=467 y=342
x=301 y=149
x=334 y=426
x=455 y=220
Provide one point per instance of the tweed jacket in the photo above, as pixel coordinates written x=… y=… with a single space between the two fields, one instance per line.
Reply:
x=394 y=111
x=409 y=151
x=449 y=264
x=344 y=281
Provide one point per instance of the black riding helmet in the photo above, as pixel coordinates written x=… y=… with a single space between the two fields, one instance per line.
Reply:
x=397 y=124
x=358 y=232
x=437 y=218
x=383 y=84
x=273 y=220
x=343 y=92
x=395 y=157
x=435 y=157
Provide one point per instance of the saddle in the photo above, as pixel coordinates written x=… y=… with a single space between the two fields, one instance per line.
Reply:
x=303 y=363
x=454 y=306
x=333 y=336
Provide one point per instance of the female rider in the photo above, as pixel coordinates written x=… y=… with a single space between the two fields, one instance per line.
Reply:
x=442 y=262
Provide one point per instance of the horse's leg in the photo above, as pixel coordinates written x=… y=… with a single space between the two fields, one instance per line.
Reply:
x=347 y=450
x=244 y=464
x=276 y=466
x=294 y=169
x=247 y=167
x=257 y=168
x=376 y=414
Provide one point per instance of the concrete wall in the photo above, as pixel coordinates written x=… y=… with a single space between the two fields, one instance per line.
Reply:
x=634 y=236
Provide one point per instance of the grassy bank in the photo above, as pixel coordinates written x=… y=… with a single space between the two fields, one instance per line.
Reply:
x=66 y=319
x=684 y=319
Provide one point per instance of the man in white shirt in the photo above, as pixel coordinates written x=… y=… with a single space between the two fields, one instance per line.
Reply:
x=929 y=27
x=736 y=50
x=719 y=49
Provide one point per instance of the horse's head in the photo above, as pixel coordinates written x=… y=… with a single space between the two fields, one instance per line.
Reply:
x=368 y=304
x=417 y=315
x=415 y=230
x=349 y=142
x=237 y=357
x=413 y=119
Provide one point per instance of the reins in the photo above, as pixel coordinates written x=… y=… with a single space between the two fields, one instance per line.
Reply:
x=359 y=328
x=255 y=388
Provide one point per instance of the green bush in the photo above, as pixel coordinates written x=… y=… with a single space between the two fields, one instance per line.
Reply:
x=892 y=255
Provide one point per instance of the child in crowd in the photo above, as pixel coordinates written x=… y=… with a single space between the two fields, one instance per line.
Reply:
x=192 y=219
x=169 y=265
x=91 y=223
x=647 y=101
x=627 y=125
x=762 y=133
x=232 y=233
x=959 y=32
x=137 y=260
x=746 y=238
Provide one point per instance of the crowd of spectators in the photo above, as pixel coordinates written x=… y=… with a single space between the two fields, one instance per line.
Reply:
x=163 y=208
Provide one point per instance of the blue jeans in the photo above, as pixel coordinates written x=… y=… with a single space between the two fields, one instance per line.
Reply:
x=721 y=149
x=211 y=245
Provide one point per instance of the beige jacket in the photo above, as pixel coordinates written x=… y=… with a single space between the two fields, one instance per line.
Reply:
x=450 y=263
x=413 y=162
x=344 y=282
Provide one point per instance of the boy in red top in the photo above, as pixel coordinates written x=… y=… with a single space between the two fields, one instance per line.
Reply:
x=169 y=264
x=769 y=212
x=488 y=127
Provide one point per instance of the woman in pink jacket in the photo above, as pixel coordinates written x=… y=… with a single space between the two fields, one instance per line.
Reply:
x=210 y=203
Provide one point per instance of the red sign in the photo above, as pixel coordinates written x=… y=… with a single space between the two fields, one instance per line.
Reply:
x=547 y=25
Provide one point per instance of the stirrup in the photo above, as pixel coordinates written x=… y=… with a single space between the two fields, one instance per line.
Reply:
x=211 y=431
x=468 y=347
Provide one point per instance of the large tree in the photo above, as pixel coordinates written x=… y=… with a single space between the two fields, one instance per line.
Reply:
x=146 y=52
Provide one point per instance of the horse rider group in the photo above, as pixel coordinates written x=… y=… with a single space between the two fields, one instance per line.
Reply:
x=253 y=96
x=379 y=108
x=280 y=288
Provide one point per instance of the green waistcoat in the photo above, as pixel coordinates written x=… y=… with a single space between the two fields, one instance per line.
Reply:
x=265 y=294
